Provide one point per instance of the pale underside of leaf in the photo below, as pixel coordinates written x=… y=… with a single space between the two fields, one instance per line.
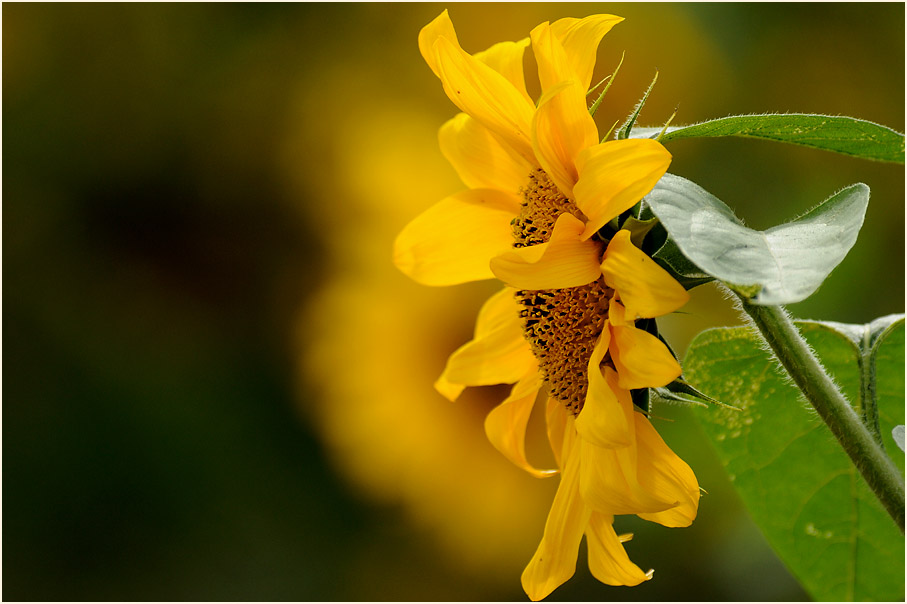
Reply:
x=782 y=265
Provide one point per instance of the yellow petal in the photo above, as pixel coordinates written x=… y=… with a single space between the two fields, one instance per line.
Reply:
x=556 y=421
x=561 y=129
x=602 y=421
x=553 y=64
x=480 y=159
x=497 y=355
x=564 y=261
x=613 y=176
x=662 y=472
x=645 y=289
x=617 y=314
x=486 y=95
x=440 y=27
x=505 y=425
x=641 y=359
x=453 y=241
x=555 y=559
x=580 y=39
x=448 y=389
x=609 y=482
x=609 y=478
x=608 y=561
x=498 y=310
x=507 y=59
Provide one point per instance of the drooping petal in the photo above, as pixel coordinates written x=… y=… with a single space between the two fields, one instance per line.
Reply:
x=505 y=425
x=613 y=176
x=641 y=359
x=609 y=478
x=555 y=559
x=609 y=482
x=556 y=421
x=440 y=27
x=497 y=355
x=507 y=59
x=486 y=95
x=602 y=421
x=480 y=159
x=580 y=39
x=608 y=561
x=564 y=261
x=453 y=241
x=662 y=472
x=561 y=129
x=645 y=289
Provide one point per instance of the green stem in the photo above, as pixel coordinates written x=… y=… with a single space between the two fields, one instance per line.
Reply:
x=798 y=359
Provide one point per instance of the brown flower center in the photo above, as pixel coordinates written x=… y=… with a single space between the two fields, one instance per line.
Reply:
x=561 y=325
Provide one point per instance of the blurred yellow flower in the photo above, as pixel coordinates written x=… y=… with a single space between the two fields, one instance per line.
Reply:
x=542 y=187
x=366 y=352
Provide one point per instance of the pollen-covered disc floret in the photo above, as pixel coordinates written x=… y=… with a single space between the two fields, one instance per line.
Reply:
x=540 y=208
x=561 y=325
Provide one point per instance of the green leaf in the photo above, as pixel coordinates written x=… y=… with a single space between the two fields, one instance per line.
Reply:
x=867 y=339
x=887 y=364
x=797 y=483
x=846 y=135
x=781 y=265
x=865 y=336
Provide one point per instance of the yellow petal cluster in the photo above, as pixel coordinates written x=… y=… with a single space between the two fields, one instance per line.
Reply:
x=610 y=458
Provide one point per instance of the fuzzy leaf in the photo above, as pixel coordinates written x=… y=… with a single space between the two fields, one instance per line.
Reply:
x=868 y=340
x=845 y=135
x=670 y=258
x=797 y=483
x=781 y=265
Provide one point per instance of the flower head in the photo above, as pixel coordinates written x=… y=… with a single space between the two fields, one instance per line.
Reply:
x=541 y=187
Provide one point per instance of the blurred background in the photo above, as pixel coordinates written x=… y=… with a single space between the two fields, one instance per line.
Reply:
x=216 y=385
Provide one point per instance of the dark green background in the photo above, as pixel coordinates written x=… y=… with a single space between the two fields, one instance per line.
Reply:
x=154 y=260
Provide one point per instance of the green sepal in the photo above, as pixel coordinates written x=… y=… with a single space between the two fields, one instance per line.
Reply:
x=610 y=80
x=640 y=397
x=627 y=127
x=639 y=229
x=680 y=391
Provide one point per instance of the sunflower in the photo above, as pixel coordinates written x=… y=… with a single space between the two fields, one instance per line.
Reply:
x=539 y=215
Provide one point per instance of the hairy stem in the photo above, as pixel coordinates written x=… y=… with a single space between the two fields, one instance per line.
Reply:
x=798 y=360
